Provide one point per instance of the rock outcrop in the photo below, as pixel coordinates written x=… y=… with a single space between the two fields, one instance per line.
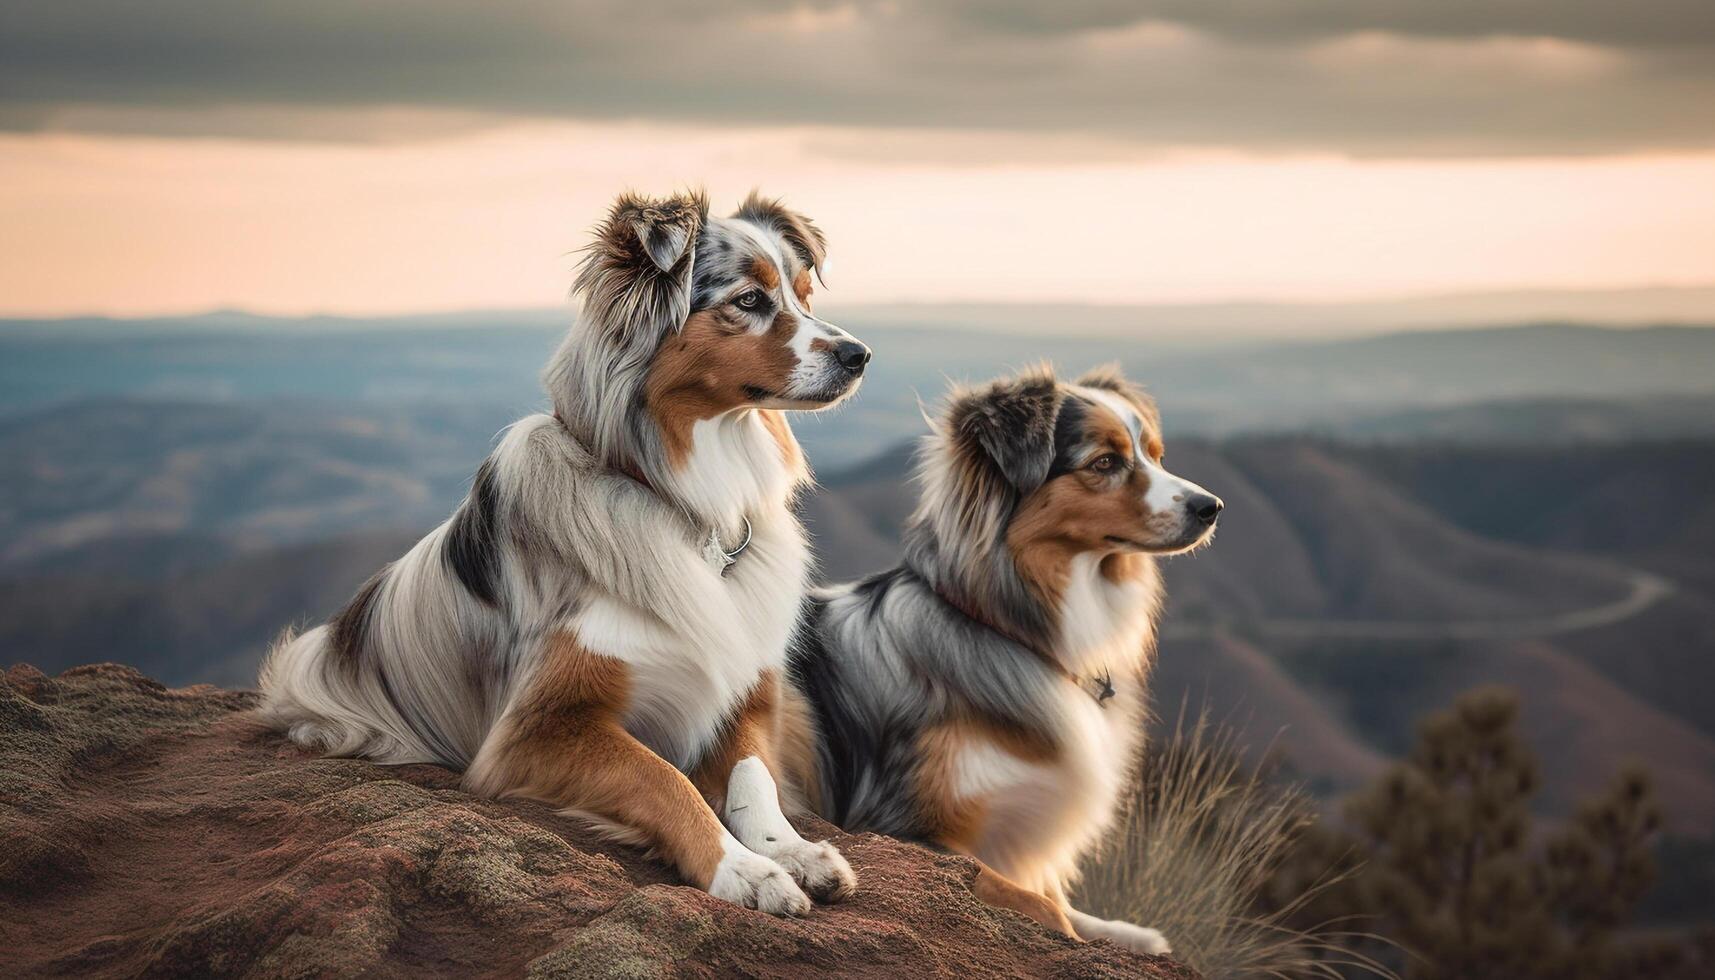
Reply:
x=161 y=833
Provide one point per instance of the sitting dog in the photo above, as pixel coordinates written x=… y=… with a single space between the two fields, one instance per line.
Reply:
x=602 y=624
x=988 y=696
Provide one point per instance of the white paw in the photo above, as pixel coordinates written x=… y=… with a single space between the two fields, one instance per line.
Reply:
x=819 y=868
x=1139 y=938
x=753 y=881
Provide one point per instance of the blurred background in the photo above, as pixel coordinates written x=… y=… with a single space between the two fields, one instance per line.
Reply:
x=1425 y=289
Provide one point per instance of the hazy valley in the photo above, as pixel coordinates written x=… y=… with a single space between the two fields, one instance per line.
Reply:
x=1408 y=516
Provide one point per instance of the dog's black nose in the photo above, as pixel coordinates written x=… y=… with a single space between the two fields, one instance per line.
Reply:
x=1206 y=507
x=852 y=356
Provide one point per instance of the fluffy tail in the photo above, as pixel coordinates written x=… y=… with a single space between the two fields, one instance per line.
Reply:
x=305 y=696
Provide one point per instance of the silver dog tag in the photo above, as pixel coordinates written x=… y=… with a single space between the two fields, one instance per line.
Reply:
x=717 y=556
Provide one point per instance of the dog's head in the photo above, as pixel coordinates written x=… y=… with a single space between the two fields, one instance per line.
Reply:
x=722 y=306
x=1082 y=464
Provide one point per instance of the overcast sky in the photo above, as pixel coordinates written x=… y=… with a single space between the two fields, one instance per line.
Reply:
x=370 y=155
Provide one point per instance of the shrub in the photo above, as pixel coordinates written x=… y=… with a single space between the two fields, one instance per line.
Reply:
x=1471 y=892
x=1195 y=850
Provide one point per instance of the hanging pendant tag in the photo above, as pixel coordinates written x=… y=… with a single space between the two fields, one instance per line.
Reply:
x=721 y=559
x=717 y=556
x=1104 y=688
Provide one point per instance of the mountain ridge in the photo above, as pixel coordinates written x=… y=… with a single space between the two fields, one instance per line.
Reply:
x=1346 y=576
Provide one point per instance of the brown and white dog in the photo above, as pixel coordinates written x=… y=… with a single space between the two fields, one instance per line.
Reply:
x=988 y=696
x=602 y=624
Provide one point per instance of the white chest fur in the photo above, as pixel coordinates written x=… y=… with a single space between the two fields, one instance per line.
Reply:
x=1101 y=622
x=1042 y=816
x=683 y=686
x=735 y=467
x=685 y=681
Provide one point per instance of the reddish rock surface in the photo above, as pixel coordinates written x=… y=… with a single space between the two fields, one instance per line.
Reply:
x=159 y=833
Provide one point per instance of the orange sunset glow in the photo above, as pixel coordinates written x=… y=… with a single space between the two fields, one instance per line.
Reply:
x=132 y=225
x=324 y=158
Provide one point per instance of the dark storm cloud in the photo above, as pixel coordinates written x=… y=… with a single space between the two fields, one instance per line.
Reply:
x=1362 y=76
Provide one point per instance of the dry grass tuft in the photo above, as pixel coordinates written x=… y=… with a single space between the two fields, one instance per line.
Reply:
x=1193 y=851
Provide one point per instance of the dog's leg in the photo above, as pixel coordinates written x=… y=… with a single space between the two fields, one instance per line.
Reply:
x=563 y=743
x=993 y=888
x=1140 y=938
x=737 y=776
x=753 y=813
x=1089 y=928
x=1052 y=911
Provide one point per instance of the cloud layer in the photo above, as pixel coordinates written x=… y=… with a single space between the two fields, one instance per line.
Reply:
x=1366 y=77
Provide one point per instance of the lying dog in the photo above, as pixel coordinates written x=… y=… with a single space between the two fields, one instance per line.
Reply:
x=988 y=695
x=603 y=622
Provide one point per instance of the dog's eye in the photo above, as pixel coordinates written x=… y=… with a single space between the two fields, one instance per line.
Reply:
x=1107 y=463
x=750 y=300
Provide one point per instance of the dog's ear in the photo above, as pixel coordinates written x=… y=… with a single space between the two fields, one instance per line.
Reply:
x=1010 y=423
x=661 y=231
x=635 y=281
x=799 y=232
x=1108 y=377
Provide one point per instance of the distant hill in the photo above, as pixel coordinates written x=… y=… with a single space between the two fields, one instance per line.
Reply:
x=1293 y=387
x=1351 y=586
x=250 y=473
x=1338 y=542
x=1652 y=502
x=1209 y=389
x=1203 y=324
x=1535 y=421
x=1193 y=325
x=1319 y=532
x=1650 y=505
x=211 y=622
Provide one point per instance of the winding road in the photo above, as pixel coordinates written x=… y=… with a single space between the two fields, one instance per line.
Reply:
x=1645 y=590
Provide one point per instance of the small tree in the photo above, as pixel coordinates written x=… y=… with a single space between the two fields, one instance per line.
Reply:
x=1452 y=868
x=1595 y=872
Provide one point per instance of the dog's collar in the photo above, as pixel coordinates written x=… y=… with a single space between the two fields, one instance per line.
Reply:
x=1100 y=687
x=722 y=559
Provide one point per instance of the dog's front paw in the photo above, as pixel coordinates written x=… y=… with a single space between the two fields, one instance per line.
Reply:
x=820 y=868
x=755 y=882
x=1142 y=939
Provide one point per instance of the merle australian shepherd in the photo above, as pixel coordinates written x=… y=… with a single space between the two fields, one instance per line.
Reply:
x=988 y=695
x=602 y=624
